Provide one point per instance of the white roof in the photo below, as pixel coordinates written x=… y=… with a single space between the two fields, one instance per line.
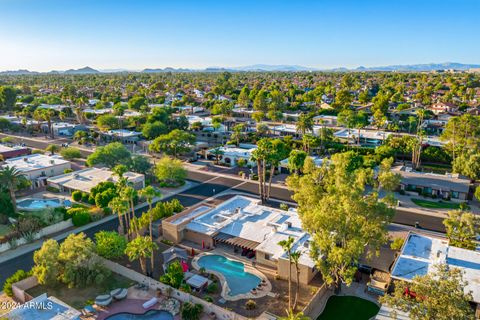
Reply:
x=245 y=218
x=35 y=162
x=86 y=179
x=364 y=134
x=236 y=151
x=123 y=133
x=421 y=253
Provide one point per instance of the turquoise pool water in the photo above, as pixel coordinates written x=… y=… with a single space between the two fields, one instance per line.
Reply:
x=149 y=315
x=238 y=280
x=37 y=204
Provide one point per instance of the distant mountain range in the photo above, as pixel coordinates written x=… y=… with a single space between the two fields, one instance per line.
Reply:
x=266 y=68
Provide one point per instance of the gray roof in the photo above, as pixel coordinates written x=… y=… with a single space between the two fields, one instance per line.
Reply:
x=445 y=182
x=174 y=253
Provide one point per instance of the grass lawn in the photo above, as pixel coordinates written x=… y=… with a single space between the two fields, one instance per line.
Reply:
x=436 y=204
x=78 y=297
x=348 y=308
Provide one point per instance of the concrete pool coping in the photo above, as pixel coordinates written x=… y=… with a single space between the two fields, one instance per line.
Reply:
x=266 y=289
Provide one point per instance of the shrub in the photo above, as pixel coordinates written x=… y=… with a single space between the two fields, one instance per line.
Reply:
x=52 y=189
x=67 y=171
x=185 y=288
x=212 y=287
x=77 y=195
x=80 y=216
x=191 y=311
x=250 y=305
x=70 y=153
x=208 y=299
x=110 y=244
x=284 y=206
x=17 y=276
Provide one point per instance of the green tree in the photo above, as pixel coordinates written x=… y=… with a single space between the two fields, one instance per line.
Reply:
x=217 y=152
x=149 y=193
x=151 y=130
x=12 y=179
x=341 y=217
x=47 y=266
x=296 y=160
x=287 y=246
x=110 y=244
x=174 y=275
x=120 y=206
x=70 y=153
x=304 y=123
x=140 y=249
x=8 y=97
x=191 y=311
x=467 y=164
x=110 y=155
x=108 y=122
x=136 y=102
x=170 y=171
x=140 y=164
x=462 y=229
x=438 y=295
x=295 y=257
x=174 y=143
x=52 y=148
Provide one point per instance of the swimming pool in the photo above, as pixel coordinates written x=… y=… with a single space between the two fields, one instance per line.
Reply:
x=238 y=280
x=149 y=315
x=37 y=204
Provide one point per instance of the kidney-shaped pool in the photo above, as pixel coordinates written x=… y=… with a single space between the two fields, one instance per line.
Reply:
x=238 y=280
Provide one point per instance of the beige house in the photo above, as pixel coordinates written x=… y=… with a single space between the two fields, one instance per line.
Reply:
x=245 y=227
x=84 y=180
x=38 y=167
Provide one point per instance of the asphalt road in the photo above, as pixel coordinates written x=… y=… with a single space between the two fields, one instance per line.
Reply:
x=208 y=187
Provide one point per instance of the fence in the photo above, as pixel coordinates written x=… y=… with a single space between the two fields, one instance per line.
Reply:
x=19 y=289
x=208 y=307
x=42 y=233
x=317 y=303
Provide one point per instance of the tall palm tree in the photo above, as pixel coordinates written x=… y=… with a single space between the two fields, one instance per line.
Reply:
x=295 y=256
x=149 y=193
x=140 y=249
x=294 y=316
x=217 y=152
x=287 y=246
x=128 y=194
x=11 y=178
x=120 y=207
x=304 y=123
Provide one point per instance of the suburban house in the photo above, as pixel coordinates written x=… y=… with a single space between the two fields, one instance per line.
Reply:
x=446 y=186
x=420 y=253
x=44 y=307
x=231 y=154
x=125 y=136
x=84 y=180
x=443 y=107
x=38 y=167
x=325 y=120
x=245 y=227
x=13 y=152
x=367 y=137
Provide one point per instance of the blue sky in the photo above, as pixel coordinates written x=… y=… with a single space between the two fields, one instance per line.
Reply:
x=134 y=34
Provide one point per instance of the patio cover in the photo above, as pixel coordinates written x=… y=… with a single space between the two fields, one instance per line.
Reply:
x=197 y=281
x=236 y=241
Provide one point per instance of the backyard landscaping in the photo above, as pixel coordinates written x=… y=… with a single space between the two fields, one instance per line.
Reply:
x=79 y=297
x=436 y=204
x=348 y=308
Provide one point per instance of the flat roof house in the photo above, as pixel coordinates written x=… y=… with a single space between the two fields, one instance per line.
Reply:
x=125 y=136
x=13 y=152
x=84 y=180
x=45 y=308
x=231 y=154
x=367 y=137
x=444 y=186
x=38 y=167
x=242 y=225
x=420 y=254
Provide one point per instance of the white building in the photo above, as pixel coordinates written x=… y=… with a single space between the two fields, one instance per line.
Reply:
x=84 y=180
x=38 y=167
x=368 y=137
x=231 y=154
x=325 y=120
x=420 y=254
x=123 y=135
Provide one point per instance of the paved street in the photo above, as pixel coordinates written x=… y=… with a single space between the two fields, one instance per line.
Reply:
x=209 y=185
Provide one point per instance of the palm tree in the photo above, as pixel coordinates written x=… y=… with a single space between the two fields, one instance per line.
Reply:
x=304 y=123
x=217 y=152
x=140 y=249
x=128 y=194
x=149 y=193
x=120 y=207
x=295 y=256
x=52 y=148
x=11 y=178
x=294 y=316
x=287 y=246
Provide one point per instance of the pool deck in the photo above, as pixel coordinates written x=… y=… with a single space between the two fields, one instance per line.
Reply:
x=266 y=290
